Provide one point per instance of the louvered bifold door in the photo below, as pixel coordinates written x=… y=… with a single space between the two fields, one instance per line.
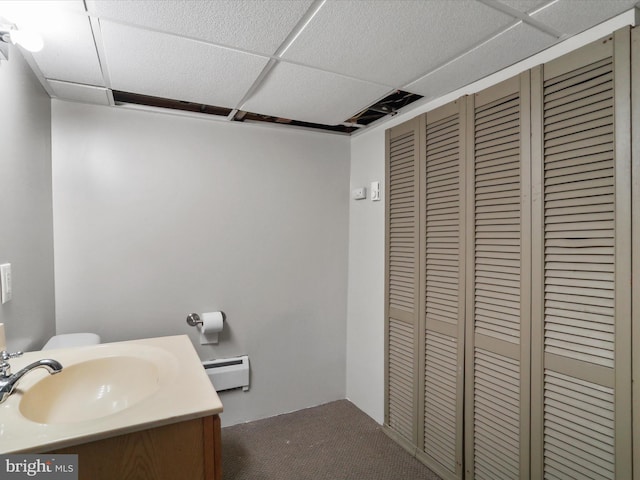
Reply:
x=498 y=285
x=403 y=146
x=581 y=410
x=443 y=287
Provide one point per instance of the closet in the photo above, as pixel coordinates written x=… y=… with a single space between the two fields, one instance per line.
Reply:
x=508 y=309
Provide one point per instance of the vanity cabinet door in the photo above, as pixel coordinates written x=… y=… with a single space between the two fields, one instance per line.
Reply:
x=189 y=449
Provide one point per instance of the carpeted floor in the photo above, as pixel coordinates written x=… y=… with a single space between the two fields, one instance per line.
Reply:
x=335 y=441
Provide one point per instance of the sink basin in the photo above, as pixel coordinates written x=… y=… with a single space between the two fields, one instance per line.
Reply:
x=90 y=390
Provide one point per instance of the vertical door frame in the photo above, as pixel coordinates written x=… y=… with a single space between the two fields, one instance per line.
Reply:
x=469 y=340
x=422 y=280
x=537 y=275
x=635 y=225
x=525 y=273
x=623 y=250
x=461 y=377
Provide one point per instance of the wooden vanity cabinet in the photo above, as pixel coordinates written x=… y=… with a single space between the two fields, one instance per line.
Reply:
x=190 y=449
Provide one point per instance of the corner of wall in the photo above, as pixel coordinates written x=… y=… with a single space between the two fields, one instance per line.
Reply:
x=25 y=185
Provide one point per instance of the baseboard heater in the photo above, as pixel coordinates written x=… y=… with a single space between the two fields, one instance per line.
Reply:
x=228 y=373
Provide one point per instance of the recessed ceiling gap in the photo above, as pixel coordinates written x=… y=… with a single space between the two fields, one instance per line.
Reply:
x=389 y=105
x=159 y=102
x=239 y=116
x=153 y=103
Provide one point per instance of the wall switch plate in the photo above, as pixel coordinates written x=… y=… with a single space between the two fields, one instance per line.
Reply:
x=5 y=281
x=375 y=191
x=359 y=193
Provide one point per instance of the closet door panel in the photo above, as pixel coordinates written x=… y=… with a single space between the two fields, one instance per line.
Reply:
x=581 y=406
x=579 y=321
x=498 y=254
x=402 y=280
x=443 y=287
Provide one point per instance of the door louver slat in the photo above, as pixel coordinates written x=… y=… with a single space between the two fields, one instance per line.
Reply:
x=497 y=416
x=402 y=229
x=440 y=398
x=442 y=218
x=578 y=428
x=497 y=314
x=579 y=234
x=400 y=378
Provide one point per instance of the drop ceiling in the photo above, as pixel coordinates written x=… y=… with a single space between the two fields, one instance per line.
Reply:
x=314 y=61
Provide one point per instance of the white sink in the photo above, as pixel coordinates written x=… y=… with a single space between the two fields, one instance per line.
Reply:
x=105 y=390
x=91 y=389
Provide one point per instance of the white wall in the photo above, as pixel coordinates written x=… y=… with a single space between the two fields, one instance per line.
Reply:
x=26 y=230
x=365 y=327
x=157 y=216
x=365 y=322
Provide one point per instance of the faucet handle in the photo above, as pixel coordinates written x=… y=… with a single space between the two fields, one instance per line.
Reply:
x=4 y=355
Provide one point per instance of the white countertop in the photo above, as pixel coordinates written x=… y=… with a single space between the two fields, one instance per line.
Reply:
x=184 y=392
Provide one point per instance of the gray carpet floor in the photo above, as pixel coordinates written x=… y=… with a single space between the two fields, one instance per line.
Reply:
x=335 y=441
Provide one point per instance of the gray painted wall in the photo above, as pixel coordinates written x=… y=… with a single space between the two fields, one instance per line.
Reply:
x=157 y=216
x=365 y=327
x=26 y=230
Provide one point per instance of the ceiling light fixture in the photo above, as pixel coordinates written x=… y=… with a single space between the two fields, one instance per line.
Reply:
x=28 y=40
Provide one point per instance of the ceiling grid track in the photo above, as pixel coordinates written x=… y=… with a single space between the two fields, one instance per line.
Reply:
x=102 y=58
x=295 y=33
x=524 y=17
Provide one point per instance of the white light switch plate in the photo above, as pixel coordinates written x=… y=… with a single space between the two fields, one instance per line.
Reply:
x=5 y=280
x=375 y=191
x=359 y=193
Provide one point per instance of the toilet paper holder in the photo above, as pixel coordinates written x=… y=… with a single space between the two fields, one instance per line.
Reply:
x=194 y=319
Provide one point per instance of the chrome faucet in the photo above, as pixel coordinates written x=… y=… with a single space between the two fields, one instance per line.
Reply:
x=8 y=382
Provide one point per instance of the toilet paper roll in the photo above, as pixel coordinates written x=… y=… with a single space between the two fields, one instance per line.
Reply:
x=212 y=322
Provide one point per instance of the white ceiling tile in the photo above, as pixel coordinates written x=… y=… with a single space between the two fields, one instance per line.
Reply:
x=506 y=49
x=301 y=93
x=79 y=93
x=257 y=26
x=574 y=16
x=393 y=41
x=69 y=51
x=156 y=64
